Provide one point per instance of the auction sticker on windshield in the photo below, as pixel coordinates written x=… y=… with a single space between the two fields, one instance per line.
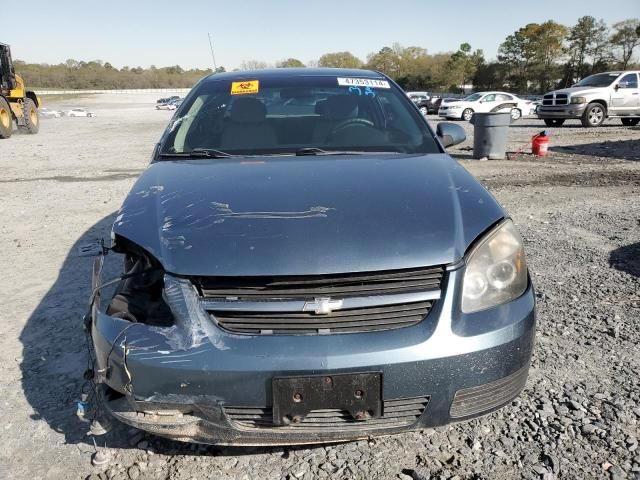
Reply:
x=244 y=87
x=363 y=82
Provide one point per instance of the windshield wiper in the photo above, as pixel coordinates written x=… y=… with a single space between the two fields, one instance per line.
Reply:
x=320 y=151
x=199 y=153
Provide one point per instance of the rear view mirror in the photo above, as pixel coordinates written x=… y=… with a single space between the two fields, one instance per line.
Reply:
x=450 y=134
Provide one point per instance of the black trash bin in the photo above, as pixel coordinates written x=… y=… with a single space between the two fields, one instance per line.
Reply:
x=490 y=132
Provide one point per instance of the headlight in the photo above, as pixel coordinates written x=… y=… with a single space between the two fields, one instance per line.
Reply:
x=578 y=99
x=496 y=271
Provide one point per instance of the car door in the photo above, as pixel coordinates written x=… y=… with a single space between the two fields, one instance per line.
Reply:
x=625 y=97
x=486 y=103
x=507 y=100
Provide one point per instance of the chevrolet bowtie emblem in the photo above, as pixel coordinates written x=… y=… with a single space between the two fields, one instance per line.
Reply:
x=322 y=306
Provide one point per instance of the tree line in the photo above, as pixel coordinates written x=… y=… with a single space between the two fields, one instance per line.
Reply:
x=533 y=59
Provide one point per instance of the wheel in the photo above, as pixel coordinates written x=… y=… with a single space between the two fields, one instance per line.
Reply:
x=31 y=118
x=594 y=115
x=467 y=114
x=630 y=122
x=515 y=114
x=553 y=122
x=424 y=111
x=6 y=123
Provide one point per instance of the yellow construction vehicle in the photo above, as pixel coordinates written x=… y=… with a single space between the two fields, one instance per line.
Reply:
x=16 y=102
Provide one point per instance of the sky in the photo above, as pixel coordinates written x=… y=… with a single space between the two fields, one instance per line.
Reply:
x=163 y=33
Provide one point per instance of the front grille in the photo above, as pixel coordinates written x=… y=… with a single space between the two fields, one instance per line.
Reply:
x=555 y=99
x=402 y=412
x=366 y=302
x=475 y=400
x=313 y=286
x=341 y=321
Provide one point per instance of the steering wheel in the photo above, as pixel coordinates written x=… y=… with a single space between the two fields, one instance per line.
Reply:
x=350 y=122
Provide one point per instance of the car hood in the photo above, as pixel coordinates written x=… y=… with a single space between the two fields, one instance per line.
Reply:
x=578 y=90
x=305 y=215
x=447 y=101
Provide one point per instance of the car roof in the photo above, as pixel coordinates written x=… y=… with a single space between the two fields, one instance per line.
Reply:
x=293 y=72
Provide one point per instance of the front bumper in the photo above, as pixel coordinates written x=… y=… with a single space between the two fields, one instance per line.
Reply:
x=561 y=111
x=450 y=114
x=206 y=385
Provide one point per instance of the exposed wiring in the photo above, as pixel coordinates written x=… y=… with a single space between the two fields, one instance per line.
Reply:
x=115 y=341
x=95 y=291
x=90 y=386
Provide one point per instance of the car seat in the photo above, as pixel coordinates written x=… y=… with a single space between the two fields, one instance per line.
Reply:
x=248 y=128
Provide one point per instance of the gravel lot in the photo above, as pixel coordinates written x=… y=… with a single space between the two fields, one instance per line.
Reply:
x=578 y=418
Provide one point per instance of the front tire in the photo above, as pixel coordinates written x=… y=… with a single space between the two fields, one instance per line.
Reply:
x=553 y=122
x=594 y=115
x=6 y=122
x=467 y=113
x=630 y=122
x=31 y=118
x=515 y=114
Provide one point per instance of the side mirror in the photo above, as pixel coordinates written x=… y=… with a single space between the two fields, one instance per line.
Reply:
x=450 y=134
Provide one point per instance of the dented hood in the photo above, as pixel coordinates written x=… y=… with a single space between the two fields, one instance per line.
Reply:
x=305 y=215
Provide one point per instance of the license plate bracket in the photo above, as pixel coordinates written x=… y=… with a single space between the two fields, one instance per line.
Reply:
x=358 y=393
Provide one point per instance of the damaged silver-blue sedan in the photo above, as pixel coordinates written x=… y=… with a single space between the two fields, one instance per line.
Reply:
x=303 y=262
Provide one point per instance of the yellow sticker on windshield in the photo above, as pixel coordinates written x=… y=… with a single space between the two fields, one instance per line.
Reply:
x=242 y=88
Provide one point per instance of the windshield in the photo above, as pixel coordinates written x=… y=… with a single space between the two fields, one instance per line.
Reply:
x=282 y=115
x=474 y=97
x=598 y=80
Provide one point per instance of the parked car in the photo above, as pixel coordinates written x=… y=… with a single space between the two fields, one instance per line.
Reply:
x=593 y=99
x=436 y=100
x=48 y=113
x=167 y=99
x=306 y=278
x=485 y=102
x=79 y=112
x=171 y=105
x=421 y=100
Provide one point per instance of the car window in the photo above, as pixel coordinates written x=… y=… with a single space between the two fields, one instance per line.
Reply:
x=489 y=98
x=630 y=80
x=503 y=97
x=598 y=80
x=284 y=114
x=473 y=98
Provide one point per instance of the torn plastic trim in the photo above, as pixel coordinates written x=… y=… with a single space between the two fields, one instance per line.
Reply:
x=191 y=320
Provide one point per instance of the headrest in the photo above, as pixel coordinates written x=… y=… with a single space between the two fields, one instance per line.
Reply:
x=339 y=107
x=248 y=109
x=321 y=107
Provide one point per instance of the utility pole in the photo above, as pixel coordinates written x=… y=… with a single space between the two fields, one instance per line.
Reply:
x=215 y=67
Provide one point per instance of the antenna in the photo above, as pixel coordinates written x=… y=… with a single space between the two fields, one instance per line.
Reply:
x=215 y=67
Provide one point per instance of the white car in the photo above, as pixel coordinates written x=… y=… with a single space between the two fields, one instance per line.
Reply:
x=166 y=106
x=171 y=105
x=47 y=113
x=80 y=112
x=485 y=102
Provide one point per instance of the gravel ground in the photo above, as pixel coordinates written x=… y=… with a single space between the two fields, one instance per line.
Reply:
x=578 y=418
